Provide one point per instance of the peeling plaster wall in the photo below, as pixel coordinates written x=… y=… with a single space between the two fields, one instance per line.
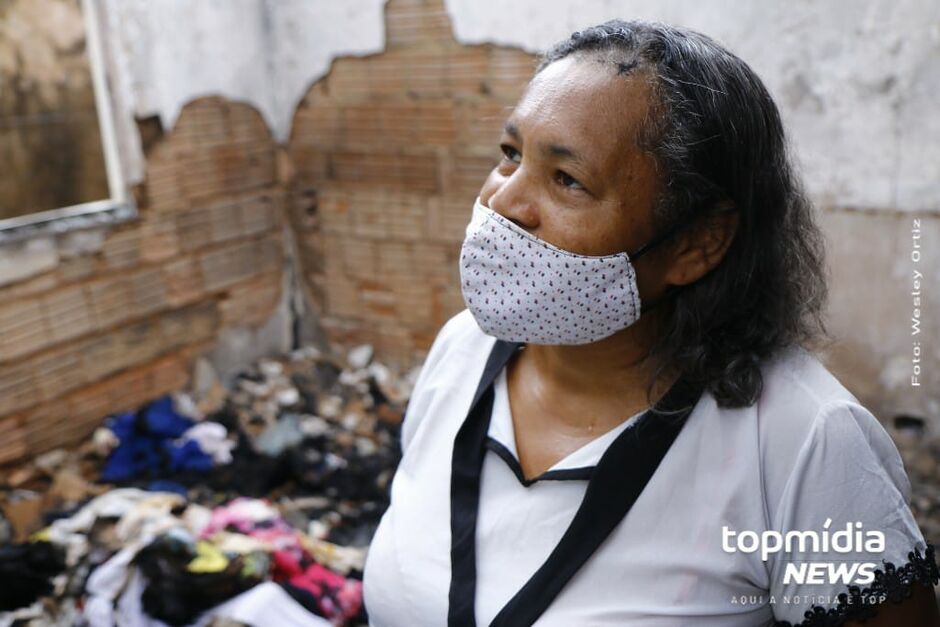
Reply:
x=857 y=88
x=262 y=52
x=857 y=83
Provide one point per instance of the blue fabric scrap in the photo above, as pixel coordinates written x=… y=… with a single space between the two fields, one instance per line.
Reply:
x=147 y=448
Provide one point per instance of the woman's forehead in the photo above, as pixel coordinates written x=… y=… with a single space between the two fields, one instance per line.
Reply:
x=584 y=100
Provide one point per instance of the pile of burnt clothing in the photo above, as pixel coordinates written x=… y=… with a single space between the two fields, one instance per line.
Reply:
x=133 y=557
x=148 y=523
x=27 y=571
x=158 y=441
x=306 y=423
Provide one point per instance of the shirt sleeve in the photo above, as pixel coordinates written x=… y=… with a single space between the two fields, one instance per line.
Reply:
x=847 y=489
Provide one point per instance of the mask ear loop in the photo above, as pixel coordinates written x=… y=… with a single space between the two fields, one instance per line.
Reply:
x=656 y=241
x=659 y=239
x=672 y=231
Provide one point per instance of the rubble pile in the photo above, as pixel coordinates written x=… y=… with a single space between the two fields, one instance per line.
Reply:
x=248 y=505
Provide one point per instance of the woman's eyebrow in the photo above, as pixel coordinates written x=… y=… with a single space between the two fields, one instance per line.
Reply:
x=552 y=150
x=512 y=130
x=557 y=150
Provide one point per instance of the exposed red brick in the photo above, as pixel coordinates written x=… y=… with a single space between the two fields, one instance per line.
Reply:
x=416 y=23
x=158 y=240
x=73 y=417
x=384 y=169
x=183 y=280
x=102 y=356
x=111 y=301
x=18 y=387
x=12 y=440
x=55 y=373
x=23 y=329
x=36 y=285
x=259 y=214
x=395 y=147
x=251 y=303
x=76 y=269
x=229 y=265
x=377 y=182
x=122 y=249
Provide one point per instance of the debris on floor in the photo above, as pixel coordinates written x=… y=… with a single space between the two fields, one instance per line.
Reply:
x=920 y=453
x=213 y=506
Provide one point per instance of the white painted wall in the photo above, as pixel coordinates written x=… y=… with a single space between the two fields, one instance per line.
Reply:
x=857 y=82
x=165 y=53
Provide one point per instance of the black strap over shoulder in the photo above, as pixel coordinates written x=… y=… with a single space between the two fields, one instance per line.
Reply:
x=466 y=465
x=618 y=479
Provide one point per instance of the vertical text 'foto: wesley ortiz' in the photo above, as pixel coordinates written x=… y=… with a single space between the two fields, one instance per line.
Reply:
x=916 y=289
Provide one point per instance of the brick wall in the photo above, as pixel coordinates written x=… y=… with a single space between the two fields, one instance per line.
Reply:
x=388 y=153
x=108 y=330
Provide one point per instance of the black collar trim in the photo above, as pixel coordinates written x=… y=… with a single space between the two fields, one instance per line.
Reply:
x=617 y=481
x=583 y=473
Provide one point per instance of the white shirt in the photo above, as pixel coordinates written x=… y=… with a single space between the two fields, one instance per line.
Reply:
x=804 y=453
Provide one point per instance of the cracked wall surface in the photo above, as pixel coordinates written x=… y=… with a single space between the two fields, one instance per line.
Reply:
x=856 y=87
x=265 y=53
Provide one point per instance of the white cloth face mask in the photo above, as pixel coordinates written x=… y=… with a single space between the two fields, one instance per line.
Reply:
x=520 y=288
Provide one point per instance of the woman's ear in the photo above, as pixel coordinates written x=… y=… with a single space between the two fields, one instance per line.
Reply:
x=702 y=247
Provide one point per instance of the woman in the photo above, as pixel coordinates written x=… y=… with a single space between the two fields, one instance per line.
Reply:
x=624 y=412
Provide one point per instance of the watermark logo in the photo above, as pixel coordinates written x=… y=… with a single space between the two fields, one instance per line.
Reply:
x=917 y=284
x=852 y=539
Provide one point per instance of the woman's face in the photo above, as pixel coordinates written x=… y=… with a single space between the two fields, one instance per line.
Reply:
x=572 y=172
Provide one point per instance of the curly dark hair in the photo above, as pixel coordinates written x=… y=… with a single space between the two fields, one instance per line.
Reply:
x=718 y=142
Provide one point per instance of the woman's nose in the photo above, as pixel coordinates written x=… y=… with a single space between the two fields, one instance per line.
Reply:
x=513 y=201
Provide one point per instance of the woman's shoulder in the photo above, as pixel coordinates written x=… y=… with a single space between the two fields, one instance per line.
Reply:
x=796 y=379
x=798 y=392
x=461 y=332
x=809 y=422
x=455 y=360
x=458 y=345
x=828 y=467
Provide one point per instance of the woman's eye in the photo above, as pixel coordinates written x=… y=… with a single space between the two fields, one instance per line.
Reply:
x=510 y=153
x=567 y=180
